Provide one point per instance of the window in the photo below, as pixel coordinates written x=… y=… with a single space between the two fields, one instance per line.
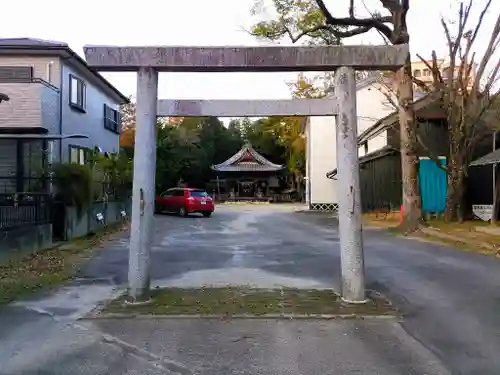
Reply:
x=199 y=193
x=178 y=193
x=16 y=74
x=111 y=119
x=77 y=154
x=167 y=194
x=427 y=72
x=76 y=93
x=416 y=73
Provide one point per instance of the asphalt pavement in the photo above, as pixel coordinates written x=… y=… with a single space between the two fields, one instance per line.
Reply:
x=449 y=298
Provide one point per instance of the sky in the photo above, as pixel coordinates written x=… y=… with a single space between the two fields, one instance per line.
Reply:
x=200 y=23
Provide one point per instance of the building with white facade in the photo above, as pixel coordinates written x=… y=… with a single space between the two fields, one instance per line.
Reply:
x=321 y=152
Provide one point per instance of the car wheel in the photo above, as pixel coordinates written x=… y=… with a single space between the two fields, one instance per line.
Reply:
x=207 y=214
x=157 y=209
x=183 y=211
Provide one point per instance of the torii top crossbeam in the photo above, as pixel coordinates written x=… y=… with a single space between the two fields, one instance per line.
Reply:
x=246 y=59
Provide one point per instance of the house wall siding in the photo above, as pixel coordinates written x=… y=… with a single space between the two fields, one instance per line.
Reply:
x=50 y=114
x=24 y=109
x=90 y=123
x=433 y=134
x=381 y=178
x=381 y=183
x=40 y=66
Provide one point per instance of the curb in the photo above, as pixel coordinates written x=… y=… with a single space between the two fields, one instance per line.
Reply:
x=243 y=316
x=243 y=203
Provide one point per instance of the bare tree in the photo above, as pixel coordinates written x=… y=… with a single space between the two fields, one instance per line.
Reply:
x=468 y=97
x=313 y=21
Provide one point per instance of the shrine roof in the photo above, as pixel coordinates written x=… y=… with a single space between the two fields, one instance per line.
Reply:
x=247 y=160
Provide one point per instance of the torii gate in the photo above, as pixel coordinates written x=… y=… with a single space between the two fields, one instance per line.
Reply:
x=148 y=61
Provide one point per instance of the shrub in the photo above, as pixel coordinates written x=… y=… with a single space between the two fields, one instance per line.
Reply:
x=73 y=184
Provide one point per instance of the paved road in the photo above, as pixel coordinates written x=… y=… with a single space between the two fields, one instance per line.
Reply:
x=450 y=298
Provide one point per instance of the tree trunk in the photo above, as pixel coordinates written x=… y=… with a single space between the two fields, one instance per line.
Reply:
x=461 y=193
x=496 y=203
x=455 y=194
x=451 y=194
x=409 y=158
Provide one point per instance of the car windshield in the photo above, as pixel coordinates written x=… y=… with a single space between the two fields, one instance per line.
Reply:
x=199 y=193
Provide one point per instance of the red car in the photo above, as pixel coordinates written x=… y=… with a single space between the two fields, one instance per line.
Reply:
x=185 y=201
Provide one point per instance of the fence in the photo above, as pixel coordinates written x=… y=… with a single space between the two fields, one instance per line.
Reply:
x=22 y=209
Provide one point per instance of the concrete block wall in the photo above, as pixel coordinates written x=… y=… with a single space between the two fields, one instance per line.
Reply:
x=24 y=241
x=87 y=223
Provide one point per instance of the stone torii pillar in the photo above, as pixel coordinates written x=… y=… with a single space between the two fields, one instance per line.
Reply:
x=143 y=190
x=148 y=61
x=349 y=210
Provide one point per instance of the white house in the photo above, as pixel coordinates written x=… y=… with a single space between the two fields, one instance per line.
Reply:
x=321 y=153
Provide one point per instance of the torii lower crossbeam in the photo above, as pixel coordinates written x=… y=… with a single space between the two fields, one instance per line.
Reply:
x=247 y=108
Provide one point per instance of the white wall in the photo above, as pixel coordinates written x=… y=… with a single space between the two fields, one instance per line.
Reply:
x=361 y=151
x=377 y=142
x=372 y=105
x=321 y=154
x=322 y=159
x=308 y=161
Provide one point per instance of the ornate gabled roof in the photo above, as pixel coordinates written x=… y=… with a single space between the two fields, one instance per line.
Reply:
x=247 y=160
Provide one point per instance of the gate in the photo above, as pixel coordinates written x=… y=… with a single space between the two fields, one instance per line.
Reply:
x=344 y=60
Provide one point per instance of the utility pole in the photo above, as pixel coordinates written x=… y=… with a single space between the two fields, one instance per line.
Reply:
x=143 y=192
x=351 y=241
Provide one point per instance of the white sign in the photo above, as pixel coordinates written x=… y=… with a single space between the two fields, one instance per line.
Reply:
x=99 y=216
x=483 y=211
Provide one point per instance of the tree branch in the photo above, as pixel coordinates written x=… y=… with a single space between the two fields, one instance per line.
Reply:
x=431 y=154
x=480 y=20
x=368 y=23
x=386 y=42
x=295 y=38
x=352 y=32
x=436 y=73
x=304 y=33
x=490 y=49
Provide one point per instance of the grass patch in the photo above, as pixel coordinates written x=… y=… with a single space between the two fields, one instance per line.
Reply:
x=23 y=276
x=381 y=219
x=474 y=235
x=245 y=301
